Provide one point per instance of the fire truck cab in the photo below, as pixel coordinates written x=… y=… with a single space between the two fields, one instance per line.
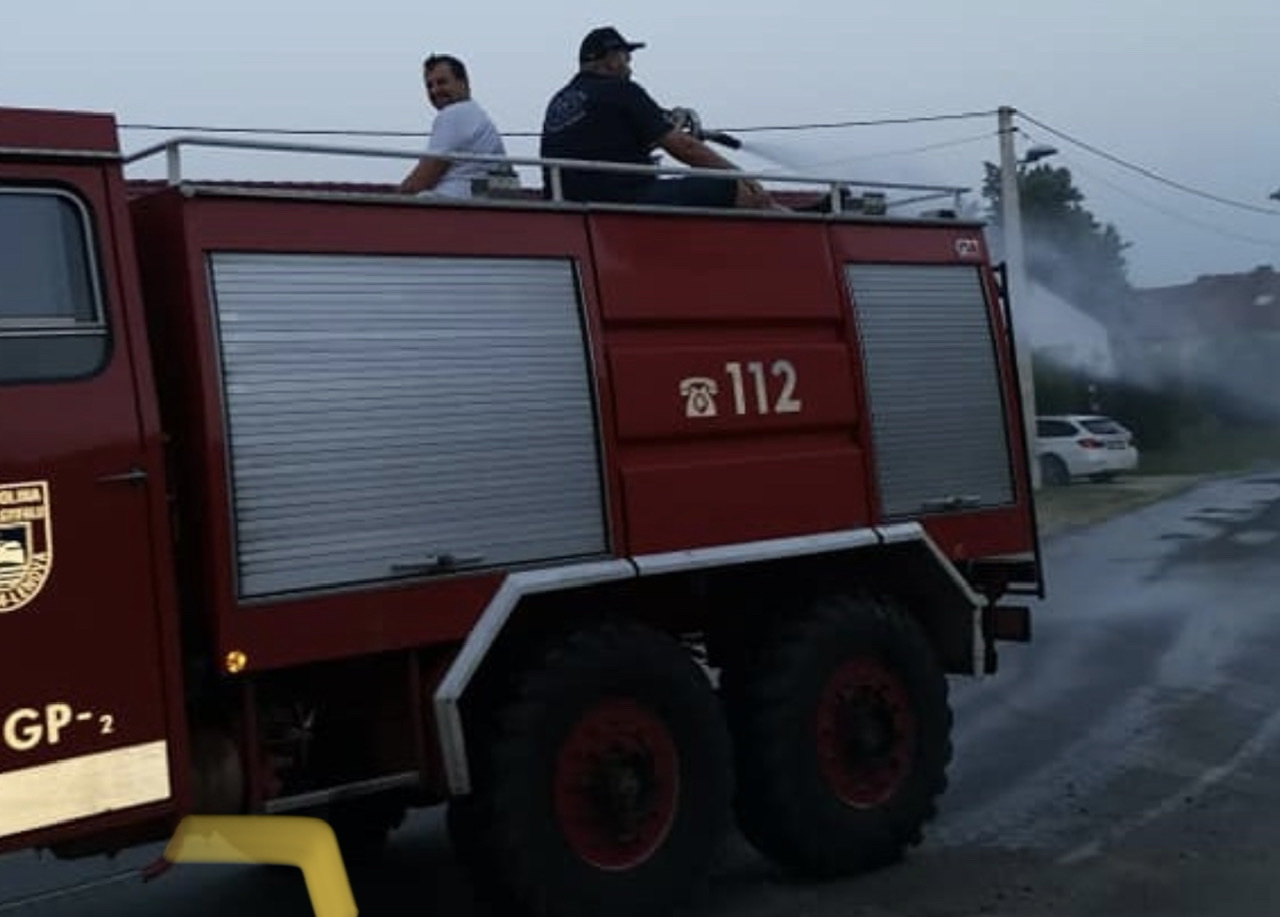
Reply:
x=610 y=526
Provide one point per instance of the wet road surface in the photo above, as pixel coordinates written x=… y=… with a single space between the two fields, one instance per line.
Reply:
x=1127 y=761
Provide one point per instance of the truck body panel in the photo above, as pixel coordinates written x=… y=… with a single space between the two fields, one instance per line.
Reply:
x=274 y=472
x=736 y=420
x=331 y=431
x=311 y=459
x=91 y=685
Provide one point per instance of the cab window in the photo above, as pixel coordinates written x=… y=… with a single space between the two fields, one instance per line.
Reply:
x=52 y=324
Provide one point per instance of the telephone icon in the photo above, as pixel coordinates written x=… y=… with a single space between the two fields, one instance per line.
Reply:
x=699 y=393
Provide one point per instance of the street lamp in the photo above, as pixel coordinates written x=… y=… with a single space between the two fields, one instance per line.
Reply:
x=1011 y=220
x=1041 y=151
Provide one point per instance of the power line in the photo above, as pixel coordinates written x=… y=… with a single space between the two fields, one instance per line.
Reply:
x=1209 y=227
x=1148 y=173
x=945 y=144
x=350 y=132
x=829 y=125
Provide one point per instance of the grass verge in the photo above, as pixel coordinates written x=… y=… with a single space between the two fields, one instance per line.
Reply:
x=1221 y=451
x=1062 y=508
x=1162 y=474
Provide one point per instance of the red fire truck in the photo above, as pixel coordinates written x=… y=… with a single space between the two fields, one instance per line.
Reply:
x=612 y=528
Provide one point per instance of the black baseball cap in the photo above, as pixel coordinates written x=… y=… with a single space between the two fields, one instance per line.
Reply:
x=601 y=41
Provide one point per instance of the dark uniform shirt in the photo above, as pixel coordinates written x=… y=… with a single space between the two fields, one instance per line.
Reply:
x=603 y=118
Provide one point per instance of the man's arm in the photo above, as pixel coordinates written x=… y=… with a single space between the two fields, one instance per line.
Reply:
x=651 y=122
x=692 y=151
x=425 y=175
x=446 y=135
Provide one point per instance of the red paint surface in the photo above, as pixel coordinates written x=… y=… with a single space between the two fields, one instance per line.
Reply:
x=687 y=503
x=961 y=536
x=99 y=637
x=667 y=298
x=615 y=745
x=866 y=732
x=284 y=633
x=175 y=234
x=771 y=292
x=920 y=243
x=688 y=270
x=684 y=299
x=39 y=129
x=647 y=390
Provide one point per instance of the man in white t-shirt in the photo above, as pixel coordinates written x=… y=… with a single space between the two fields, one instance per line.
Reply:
x=461 y=126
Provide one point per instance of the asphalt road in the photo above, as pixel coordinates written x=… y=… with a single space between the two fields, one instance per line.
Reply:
x=1127 y=761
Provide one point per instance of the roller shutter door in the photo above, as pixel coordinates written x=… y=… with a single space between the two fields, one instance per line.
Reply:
x=937 y=410
x=381 y=410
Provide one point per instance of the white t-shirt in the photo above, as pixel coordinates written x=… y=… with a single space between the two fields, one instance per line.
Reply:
x=464 y=127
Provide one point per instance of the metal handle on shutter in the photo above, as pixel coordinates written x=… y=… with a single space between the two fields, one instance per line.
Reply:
x=439 y=563
x=952 y=502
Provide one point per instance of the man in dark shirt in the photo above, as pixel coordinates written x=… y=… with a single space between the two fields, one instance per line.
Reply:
x=603 y=115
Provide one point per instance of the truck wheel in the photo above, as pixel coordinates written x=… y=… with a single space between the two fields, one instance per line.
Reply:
x=601 y=779
x=841 y=727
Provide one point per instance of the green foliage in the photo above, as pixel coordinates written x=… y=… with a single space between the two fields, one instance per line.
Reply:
x=1159 y=417
x=1067 y=249
x=1178 y=409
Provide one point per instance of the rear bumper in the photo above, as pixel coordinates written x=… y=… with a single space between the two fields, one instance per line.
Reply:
x=1103 y=461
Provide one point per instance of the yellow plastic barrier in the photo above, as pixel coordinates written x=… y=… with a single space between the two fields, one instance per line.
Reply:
x=283 y=840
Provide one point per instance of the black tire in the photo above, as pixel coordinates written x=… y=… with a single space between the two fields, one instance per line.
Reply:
x=1054 y=471
x=802 y=800
x=530 y=834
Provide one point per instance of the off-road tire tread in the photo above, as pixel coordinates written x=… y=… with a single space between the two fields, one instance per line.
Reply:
x=495 y=834
x=797 y=822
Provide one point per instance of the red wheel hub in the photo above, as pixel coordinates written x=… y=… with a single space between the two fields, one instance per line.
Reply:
x=616 y=784
x=866 y=733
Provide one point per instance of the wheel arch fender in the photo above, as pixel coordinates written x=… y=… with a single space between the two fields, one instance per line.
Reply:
x=900 y=561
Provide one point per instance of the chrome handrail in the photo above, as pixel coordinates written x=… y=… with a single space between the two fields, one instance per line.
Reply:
x=553 y=168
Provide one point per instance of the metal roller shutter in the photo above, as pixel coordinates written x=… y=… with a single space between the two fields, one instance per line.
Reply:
x=937 y=411
x=381 y=410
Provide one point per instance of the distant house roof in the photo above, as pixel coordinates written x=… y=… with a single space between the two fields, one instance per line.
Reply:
x=1212 y=303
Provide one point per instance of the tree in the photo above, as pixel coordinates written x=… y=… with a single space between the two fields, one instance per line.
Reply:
x=1067 y=250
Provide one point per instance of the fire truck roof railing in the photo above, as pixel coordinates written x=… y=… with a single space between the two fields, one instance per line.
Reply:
x=836 y=188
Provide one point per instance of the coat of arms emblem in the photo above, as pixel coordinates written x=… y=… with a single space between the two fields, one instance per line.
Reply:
x=26 y=543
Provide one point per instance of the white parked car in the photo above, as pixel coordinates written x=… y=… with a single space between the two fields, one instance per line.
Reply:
x=1083 y=446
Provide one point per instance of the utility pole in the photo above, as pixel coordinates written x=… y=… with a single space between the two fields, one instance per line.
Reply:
x=1011 y=234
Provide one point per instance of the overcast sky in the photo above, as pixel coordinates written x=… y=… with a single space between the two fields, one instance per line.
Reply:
x=1189 y=90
